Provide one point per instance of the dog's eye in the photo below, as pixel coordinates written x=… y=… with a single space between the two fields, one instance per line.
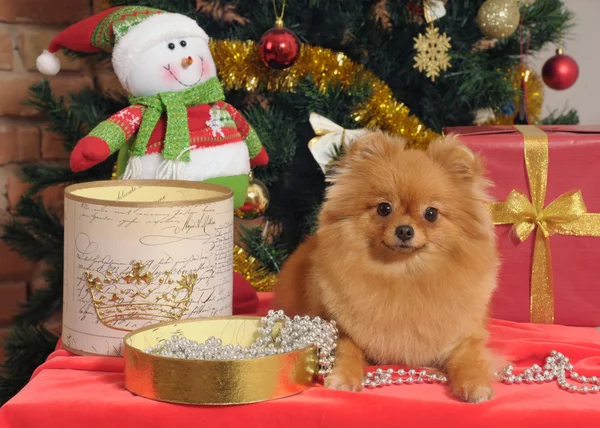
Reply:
x=171 y=46
x=183 y=43
x=430 y=214
x=384 y=209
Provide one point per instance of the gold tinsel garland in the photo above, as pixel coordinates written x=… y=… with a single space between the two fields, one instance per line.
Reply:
x=253 y=270
x=534 y=99
x=240 y=68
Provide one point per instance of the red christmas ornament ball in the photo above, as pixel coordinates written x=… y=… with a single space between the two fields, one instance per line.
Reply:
x=279 y=48
x=560 y=72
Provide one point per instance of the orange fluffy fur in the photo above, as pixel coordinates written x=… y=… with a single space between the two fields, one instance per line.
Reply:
x=422 y=302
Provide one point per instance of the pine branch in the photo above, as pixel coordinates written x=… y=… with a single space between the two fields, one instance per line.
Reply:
x=44 y=302
x=95 y=58
x=547 y=21
x=63 y=120
x=34 y=232
x=270 y=254
x=92 y=107
x=26 y=348
x=335 y=103
x=566 y=118
x=296 y=183
x=277 y=135
x=42 y=176
x=185 y=7
x=85 y=110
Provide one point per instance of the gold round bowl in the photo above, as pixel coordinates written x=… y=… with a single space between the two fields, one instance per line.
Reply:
x=214 y=382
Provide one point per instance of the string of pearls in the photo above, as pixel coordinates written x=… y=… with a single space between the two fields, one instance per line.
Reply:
x=381 y=377
x=301 y=332
x=295 y=334
x=556 y=368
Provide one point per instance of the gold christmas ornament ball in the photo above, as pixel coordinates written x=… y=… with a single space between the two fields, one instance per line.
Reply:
x=256 y=202
x=498 y=19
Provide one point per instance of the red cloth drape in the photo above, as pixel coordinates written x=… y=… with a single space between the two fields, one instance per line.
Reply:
x=70 y=391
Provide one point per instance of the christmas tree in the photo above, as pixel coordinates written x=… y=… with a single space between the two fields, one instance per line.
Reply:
x=408 y=67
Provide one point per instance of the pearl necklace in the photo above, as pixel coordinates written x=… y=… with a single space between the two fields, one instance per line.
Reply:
x=301 y=332
x=295 y=334
x=557 y=368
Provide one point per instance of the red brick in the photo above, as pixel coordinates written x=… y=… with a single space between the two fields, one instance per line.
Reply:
x=54 y=200
x=108 y=82
x=29 y=143
x=4 y=333
x=12 y=293
x=15 y=89
x=32 y=42
x=6 y=50
x=19 y=143
x=14 y=190
x=13 y=266
x=9 y=151
x=54 y=325
x=38 y=281
x=52 y=196
x=100 y=5
x=52 y=146
x=44 y=11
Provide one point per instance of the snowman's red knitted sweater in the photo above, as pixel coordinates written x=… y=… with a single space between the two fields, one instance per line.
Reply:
x=211 y=124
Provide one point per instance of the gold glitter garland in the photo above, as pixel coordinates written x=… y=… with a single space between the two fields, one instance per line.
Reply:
x=240 y=68
x=534 y=99
x=253 y=270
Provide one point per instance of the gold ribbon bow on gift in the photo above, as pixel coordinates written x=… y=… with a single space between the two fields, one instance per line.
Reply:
x=566 y=215
x=330 y=138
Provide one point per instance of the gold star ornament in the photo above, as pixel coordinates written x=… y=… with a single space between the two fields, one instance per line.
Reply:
x=432 y=52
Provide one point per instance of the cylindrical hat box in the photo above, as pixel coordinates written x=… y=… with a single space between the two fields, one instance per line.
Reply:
x=140 y=252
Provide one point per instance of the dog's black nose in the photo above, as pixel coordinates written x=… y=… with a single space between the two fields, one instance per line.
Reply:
x=405 y=233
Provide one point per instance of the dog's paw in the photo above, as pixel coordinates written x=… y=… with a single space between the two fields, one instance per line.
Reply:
x=343 y=380
x=473 y=393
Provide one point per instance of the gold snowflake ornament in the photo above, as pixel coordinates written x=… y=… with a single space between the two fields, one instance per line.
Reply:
x=432 y=52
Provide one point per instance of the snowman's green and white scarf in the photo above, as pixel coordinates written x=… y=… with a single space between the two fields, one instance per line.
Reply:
x=175 y=104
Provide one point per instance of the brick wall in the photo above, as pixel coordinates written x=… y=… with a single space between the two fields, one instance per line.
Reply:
x=26 y=28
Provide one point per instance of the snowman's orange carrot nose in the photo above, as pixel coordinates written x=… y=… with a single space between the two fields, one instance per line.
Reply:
x=186 y=62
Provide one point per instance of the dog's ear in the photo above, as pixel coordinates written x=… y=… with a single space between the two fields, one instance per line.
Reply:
x=376 y=144
x=450 y=153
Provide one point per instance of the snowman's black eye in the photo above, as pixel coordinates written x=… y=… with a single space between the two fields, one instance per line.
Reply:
x=171 y=46
x=183 y=43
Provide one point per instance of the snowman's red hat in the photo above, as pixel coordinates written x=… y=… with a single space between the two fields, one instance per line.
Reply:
x=126 y=31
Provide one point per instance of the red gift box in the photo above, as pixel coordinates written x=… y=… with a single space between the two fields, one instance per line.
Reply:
x=550 y=255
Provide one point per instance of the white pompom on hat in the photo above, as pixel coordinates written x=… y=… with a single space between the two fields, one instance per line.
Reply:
x=124 y=31
x=47 y=63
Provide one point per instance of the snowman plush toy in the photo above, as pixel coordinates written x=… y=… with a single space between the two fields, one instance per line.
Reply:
x=178 y=126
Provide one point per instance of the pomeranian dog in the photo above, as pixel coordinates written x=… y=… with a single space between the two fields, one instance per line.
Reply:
x=404 y=260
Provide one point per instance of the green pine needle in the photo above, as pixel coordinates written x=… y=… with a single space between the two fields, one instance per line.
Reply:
x=566 y=118
x=26 y=347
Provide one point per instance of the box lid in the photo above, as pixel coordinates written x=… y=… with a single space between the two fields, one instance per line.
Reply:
x=509 y=129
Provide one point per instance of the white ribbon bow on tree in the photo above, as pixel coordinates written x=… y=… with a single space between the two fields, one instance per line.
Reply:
x=330 y=138
x=434 y=9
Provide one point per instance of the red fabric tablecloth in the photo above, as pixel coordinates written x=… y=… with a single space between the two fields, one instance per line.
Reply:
x=69 y=391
